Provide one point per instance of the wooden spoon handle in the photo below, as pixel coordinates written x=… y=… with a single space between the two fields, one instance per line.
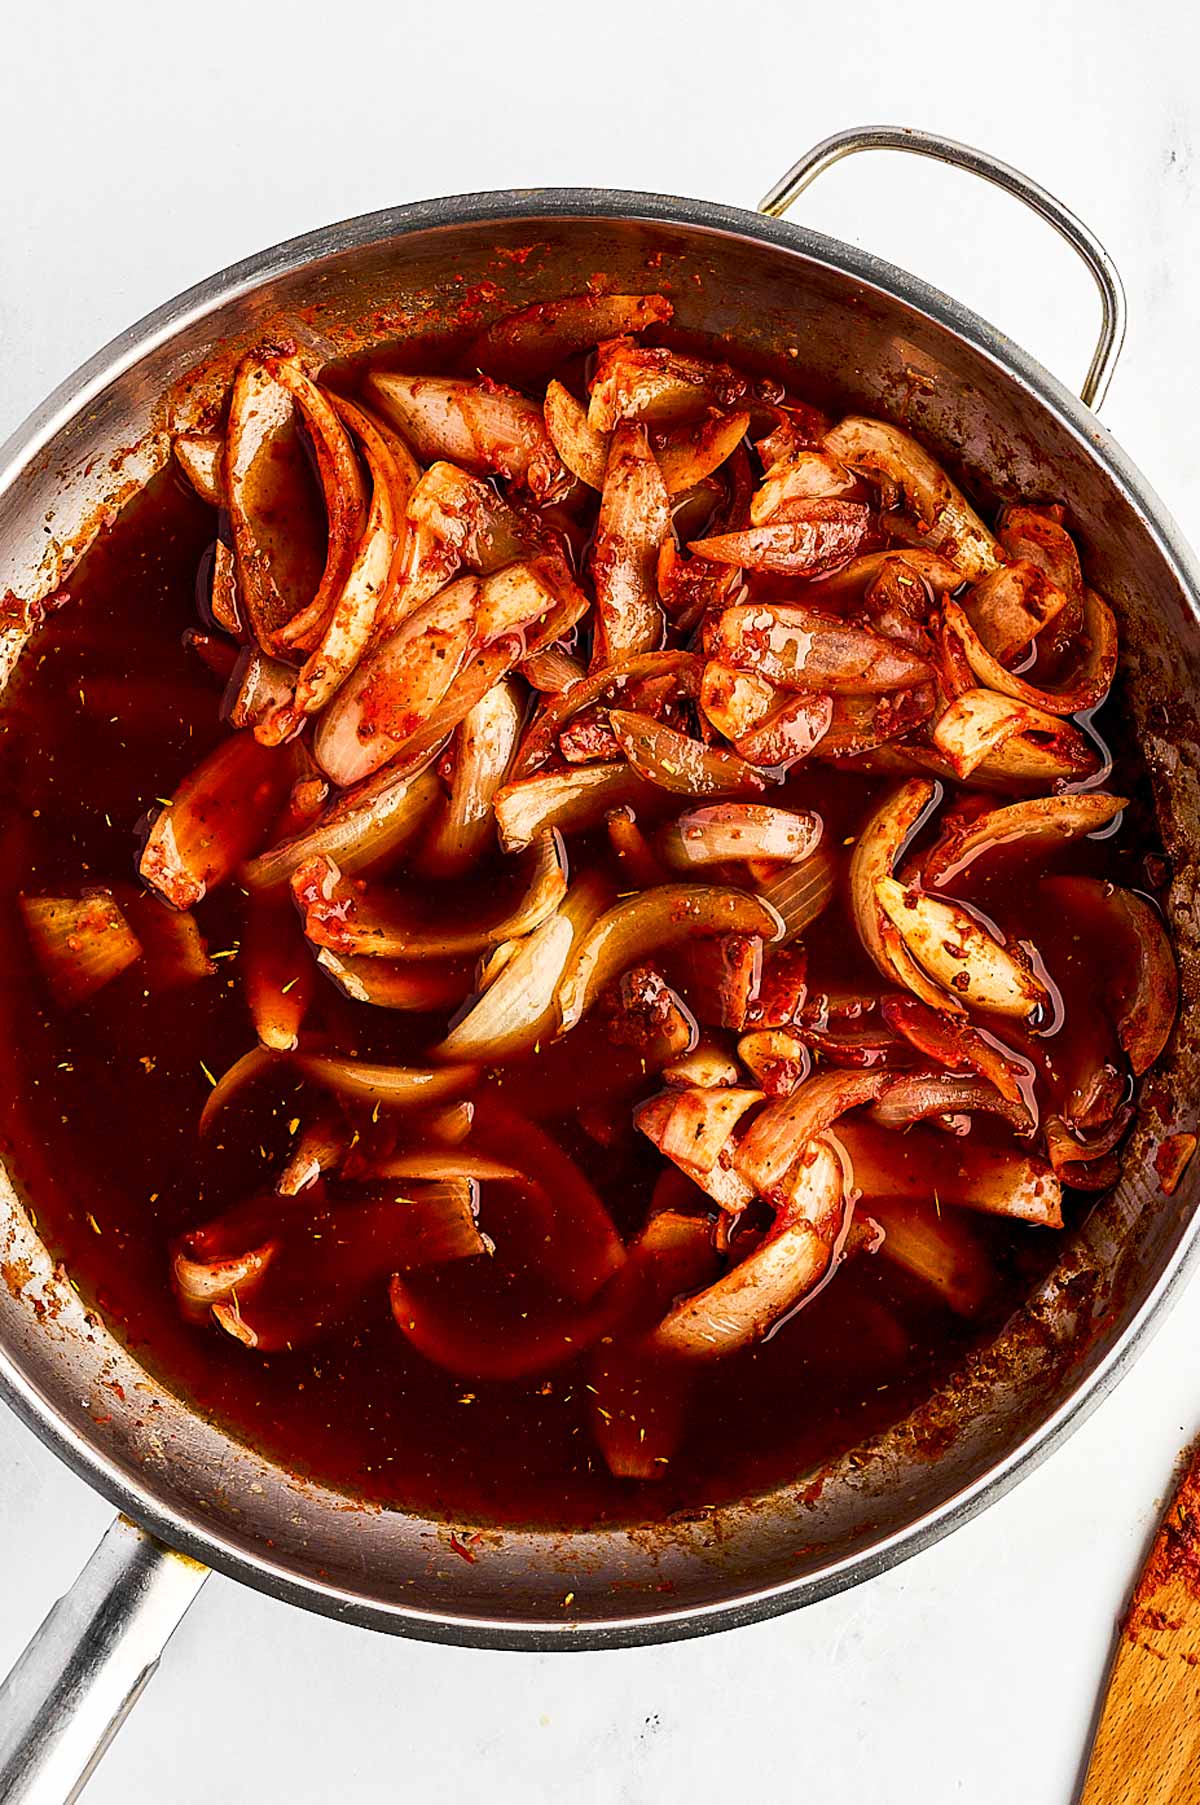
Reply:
x=1147 y=1748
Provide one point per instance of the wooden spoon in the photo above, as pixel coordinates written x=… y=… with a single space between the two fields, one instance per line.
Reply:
x=1147 y=1747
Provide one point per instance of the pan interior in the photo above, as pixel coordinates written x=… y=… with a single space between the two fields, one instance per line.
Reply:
x=866 y=339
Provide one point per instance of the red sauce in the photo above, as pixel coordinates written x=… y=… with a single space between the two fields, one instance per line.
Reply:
x=109 y=710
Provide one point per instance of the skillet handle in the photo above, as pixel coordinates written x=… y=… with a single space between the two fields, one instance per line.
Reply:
x=977 y=162
x=85 y=1668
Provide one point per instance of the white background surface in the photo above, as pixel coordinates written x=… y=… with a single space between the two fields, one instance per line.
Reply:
x=147 y=145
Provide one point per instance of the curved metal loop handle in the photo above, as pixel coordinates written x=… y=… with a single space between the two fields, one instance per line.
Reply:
x=87 y=1665
x=1001 y=175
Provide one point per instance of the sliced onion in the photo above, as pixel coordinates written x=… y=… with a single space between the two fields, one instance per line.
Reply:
x=719 y=976
x=219 y=815
x=873 y=860
x=959 y=953
x=776 y=1059
x=851 y=582
x=638 y=1398
x=923 y=1166
x=1010 y=606
x=803 y=474
x=564 y=800
x=415 y=985
x=642 y=924
x=705 y=1066
x=1139 y=979
x=796 y=727
x=637 y=859
x=424 y=679
x=373 y=574
x=892 y=457
x=552 y=671
x=396 y=689
x=392 y=1086
x=997 y=736
x=638 y=382
x=320 y=1147
x=862 y=724
x=260 y=686
x=605 y=685
x=352 y=919
x=305 y=801
x=363 y=828
x=740 y=1307
x=800 y=893
x=954 y=1043
x=80 y=943
x=578 y=1247
x=487 y=740
x=277 y=972
x=1086 y=689
x=635 y=518
x=815 y=537
x=507 y=1348
x=694 y=452
x=518 y=1009
x=798 y=648
x=866 y=1043
x=1088 y=1165
x=331 y=1256
x=739 y=830
x=345 y=501
x=643 y=1013
x=473 y=682
x=673 y=761
x=701 y=1122
x=512 y=599
x=782 y=988
x=692 y=1127
x=943 y=1251
x=1036 y=535
x=466 y=517
x=446 y=1163
x=174 y=951
x=280 y=537
x=1041 y=822
x=200 y=1284
x=916 y=1096
x=450 y=1124
x=223 y=599
x=777 y=1137
x=689 y=587
x=485 y=428
x=584 y=452
x=544 y=335
x=201 y=457
x=735 y=701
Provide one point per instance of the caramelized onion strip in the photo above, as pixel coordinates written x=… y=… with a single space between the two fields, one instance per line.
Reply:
x=875 y=854
x=891 y=457
x=642 y=924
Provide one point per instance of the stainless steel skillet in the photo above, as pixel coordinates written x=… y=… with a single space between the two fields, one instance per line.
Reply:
x=870 y=337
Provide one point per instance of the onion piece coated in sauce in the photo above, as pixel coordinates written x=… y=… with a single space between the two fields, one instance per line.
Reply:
x=887 y=455
x=349 y=917
x=219 y=815
x=747 y=1301
x=960 y=954
x=643 y=924
x=739 y=830
x=874 y=858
